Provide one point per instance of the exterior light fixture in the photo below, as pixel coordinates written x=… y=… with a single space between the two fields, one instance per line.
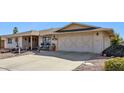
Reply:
x=97 y=33
x=54 y=38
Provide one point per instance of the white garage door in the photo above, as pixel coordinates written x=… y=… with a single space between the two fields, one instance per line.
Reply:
x=75 y=42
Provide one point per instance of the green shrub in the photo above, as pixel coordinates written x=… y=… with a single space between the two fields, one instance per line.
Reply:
x=114 y=64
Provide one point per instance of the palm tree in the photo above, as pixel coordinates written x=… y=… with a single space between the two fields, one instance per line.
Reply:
x=117 y=39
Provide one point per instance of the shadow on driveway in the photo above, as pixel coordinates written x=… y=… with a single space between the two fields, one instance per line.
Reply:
x=72 y=56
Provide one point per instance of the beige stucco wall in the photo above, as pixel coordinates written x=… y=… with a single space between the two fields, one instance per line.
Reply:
x=83 y=42
x=13 y=45
x=40 y=41
x=25 y=43
x=20 y=42
x=107 y=40
x=97 y=42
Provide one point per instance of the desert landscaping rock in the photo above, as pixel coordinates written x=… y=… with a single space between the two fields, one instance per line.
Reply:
x=97 y=65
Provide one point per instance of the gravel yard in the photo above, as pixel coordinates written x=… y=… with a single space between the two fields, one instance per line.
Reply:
x=92 y=65
x=6 y=55
x=95 y=64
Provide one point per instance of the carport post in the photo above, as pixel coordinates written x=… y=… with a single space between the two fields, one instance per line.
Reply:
x=31 y=42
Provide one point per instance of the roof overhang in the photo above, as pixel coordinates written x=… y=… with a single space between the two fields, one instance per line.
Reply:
x=29 y=33
x=76 y=27
x=48 y=31
x=84 y=28
x=42 y=33
x=107 y=30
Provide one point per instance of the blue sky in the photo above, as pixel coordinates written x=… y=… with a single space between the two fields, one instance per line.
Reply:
x=7 y=27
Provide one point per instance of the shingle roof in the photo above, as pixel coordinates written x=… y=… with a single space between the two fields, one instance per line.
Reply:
x=87 y=29
x=22 y=34
x=81 y=29
x=48 y=31
x=51 y=29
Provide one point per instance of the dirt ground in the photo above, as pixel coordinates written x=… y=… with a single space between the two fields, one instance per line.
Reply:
x=9 y=54
x=6 y=55
x=92 y=65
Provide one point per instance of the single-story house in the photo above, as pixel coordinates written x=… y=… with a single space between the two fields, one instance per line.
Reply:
x=73 y=37
x=24 y=40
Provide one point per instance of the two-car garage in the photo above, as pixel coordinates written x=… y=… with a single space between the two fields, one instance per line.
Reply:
x=81 y=42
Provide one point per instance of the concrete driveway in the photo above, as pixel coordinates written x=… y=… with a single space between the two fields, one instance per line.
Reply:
x=38 y=63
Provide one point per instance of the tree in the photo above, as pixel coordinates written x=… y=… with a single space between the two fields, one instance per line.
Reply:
x=117 y=39
x=15 y=30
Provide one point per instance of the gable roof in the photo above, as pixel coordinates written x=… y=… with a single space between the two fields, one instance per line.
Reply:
x=76 y=27
x=84 y=28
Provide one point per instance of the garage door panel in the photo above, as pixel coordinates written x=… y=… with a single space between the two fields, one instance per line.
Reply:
x=79 y=43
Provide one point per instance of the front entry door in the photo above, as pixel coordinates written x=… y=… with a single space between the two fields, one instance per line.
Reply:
x=2 y=44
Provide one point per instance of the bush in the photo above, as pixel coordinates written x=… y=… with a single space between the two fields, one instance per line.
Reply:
x=115 y=50
x=114 y=64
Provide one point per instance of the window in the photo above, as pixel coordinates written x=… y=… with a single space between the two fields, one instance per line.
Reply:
x=9 y=40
